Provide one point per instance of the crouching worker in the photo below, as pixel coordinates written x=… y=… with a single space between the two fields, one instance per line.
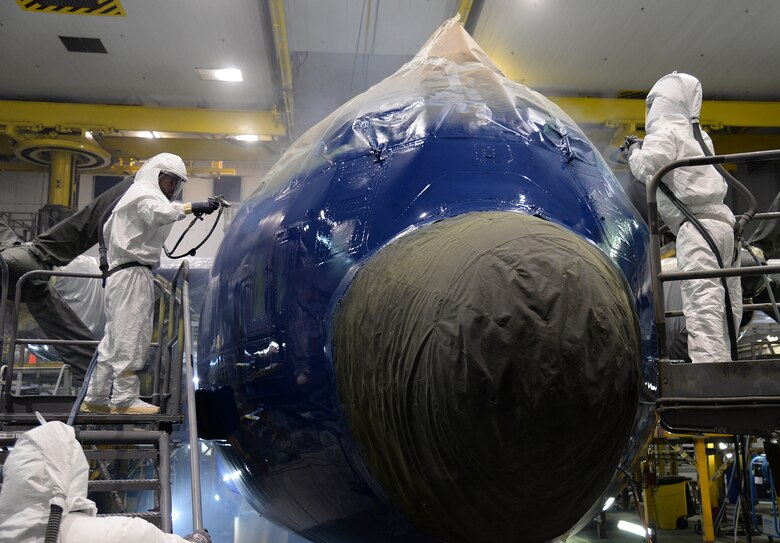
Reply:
x=135 y=233
x=44 y=496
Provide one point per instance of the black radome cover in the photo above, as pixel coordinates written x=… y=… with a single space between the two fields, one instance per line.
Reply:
x=449 y=344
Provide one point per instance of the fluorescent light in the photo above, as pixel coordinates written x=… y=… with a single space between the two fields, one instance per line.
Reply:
x=608 y=503
x=229 y=74
x=220 y=74
x=247 y=137
x=631 y=527
x=722 y=446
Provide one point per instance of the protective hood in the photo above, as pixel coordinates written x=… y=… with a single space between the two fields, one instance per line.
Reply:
x=146 y=180
x=674 y=95
x=46 y=466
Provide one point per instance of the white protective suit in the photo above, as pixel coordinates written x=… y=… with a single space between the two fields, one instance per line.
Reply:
x=135 y=232
x=673 y=103
x=47 y=466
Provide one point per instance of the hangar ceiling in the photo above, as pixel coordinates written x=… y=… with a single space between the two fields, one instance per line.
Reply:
x=300 y=59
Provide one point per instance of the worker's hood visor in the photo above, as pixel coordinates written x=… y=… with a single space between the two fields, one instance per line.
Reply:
x=174 y=186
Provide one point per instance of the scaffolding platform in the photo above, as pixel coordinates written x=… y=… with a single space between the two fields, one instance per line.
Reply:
x=735 y=397
x=128 y=453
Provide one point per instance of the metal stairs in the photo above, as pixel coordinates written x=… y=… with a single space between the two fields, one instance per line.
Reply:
x=129 y=455
x=147 y=448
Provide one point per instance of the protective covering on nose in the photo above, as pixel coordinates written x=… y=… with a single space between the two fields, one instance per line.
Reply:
x=674 y=94
x=488 y=367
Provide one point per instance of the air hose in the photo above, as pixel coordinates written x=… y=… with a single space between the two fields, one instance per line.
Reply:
x=222 y=204
x=53 y=526
x=732 y=181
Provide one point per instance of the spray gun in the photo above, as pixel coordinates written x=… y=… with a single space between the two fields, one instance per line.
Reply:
x=223 y=204
x=220 y=200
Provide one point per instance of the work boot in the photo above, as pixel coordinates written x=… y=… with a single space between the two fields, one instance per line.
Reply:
x=134 y=407
x=101 y=408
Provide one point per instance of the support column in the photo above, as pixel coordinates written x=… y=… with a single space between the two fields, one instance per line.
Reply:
x=62 y=174
x=708 y=532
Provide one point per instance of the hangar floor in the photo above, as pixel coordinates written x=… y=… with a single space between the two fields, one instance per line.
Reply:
x=614 y=535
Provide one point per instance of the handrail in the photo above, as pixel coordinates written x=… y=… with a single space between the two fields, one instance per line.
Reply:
x=183 y=274
x=14 y=340
x=655 y=236
x=3 y=298
x=179 y=314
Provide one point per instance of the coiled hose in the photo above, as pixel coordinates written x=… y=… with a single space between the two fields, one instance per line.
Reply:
x=53 y=526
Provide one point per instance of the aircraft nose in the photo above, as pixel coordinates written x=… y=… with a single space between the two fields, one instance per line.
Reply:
x=488 y=366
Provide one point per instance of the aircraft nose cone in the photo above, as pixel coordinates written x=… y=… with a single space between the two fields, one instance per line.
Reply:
x=488 y=366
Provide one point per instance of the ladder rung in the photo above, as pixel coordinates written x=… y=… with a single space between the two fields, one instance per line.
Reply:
x=140 y=514
x=114 y=454
x=153 y=517
x=124 y=484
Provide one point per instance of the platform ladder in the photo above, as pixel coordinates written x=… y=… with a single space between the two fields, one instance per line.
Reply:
x=108 y=439
x=742 y=397
x=739 y=398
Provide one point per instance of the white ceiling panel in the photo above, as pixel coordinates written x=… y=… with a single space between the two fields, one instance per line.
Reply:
x=383 y=27
x=340 y=47
x=599 y=47
x=151 y=59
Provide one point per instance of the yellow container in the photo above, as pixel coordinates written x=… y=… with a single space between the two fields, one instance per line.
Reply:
x=671 y=504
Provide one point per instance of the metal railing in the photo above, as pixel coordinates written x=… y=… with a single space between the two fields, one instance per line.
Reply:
x=166 y=392
x=660 y=277
x=174 y=343
x=3 y=299
x=24 y=224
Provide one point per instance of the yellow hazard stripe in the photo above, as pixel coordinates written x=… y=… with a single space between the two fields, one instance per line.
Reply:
x=102 y=7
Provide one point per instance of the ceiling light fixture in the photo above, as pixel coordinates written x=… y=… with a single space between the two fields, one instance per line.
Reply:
x=247 y=137
x=220 y=74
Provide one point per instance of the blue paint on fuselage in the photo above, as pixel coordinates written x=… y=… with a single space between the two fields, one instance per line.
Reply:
x=308 y=227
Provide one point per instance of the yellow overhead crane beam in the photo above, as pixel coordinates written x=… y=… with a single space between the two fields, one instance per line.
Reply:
x=464 y=9
x=42 y=116
x=283 y=57
x=716 y=114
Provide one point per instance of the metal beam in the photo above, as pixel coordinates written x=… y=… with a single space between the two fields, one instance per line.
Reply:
x=283 y=57
x=43 y=116
x=620 y=111
x=464 y=8
x=129 y=150
x=192 y=149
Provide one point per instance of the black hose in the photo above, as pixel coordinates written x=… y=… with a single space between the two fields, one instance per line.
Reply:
x=732 y=181
x=83 y=392
x=732 y=330
x=635 y=492
x=739 y=446
x=53 y=526
x=102 y=249
x=192 y=251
